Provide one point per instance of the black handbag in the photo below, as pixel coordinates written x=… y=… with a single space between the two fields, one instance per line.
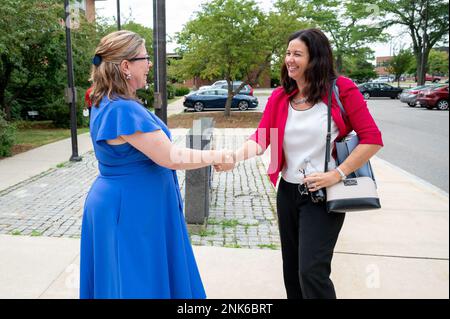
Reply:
x=358 y=192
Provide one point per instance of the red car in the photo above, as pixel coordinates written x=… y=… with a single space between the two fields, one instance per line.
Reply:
x=431 y=78
x=437 y=97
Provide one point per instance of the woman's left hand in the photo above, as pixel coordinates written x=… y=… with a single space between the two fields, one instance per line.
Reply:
x=316 y=181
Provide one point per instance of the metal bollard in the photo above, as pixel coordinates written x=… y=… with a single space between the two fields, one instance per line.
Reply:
x=198 y=181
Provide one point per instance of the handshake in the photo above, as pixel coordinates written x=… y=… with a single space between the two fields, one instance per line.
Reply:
x=226 y=161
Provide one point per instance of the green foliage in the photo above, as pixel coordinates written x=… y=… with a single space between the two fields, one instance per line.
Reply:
x=33 y=71
x=181 y=90
x=170 y=91
x=221 y=41
x=438 y=62
x=275 y=30
x=232 y=40
x=426 y=21
x=29 y=41
x=218 y=42
x=146 y=96
x=35 y=233
x=230 y=223
x=145 y=32
x=268 y=246
x=348 y=24
x=7 y=136
x=175 y=71
x=401 y=63
x=357 y=67
x=59 y=111
x=33 y=54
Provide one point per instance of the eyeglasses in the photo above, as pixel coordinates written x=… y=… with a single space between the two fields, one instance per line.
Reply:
x=142 y=58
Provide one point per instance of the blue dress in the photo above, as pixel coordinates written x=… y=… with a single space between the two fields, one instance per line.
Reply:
x=134 y=241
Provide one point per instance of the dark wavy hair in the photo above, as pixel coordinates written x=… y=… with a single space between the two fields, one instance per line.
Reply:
x=320 y=70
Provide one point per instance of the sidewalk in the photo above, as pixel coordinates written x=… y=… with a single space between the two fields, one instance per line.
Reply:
x=16 y=169
x=400 y=251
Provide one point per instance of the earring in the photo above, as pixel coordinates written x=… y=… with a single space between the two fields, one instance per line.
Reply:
x=128 y=76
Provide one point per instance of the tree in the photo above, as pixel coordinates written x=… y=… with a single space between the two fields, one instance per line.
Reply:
x=233 y=40
x=426 y=22
x=276 y=28
x=357 y=67
x=33 y=55
x=438 y=62
x=400 y=64
x=221 y=42
x=349 y=24
x=23 y=27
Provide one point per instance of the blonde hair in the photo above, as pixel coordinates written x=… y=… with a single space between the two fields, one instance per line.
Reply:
x=106 y=76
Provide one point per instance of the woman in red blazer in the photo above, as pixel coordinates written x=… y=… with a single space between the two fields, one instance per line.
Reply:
x=294 y=124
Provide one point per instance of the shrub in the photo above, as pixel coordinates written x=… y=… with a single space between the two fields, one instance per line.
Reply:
x=170 y=91
x=59 y=112
x=181 y=91
x=146 y=96
x=7 y=136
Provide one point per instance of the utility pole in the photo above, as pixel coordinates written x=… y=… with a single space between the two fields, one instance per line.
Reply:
x=118 y=15
x=159 y=53
x=70 y=91
x=422 y=72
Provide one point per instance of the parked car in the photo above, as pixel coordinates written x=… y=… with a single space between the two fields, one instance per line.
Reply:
x=431 y=78
x=216 y=98
x=247 y=89
x=204 y=87
x=219 y=83
x=383 y=79
x=435 y=97
x=371 y=89
x=409 y=96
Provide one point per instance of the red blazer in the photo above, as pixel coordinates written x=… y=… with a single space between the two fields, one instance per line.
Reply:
x=271 y=128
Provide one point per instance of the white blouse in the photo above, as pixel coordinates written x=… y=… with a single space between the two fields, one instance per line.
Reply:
x=305 y=137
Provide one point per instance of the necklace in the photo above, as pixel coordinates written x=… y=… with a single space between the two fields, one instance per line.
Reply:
x=299 y=101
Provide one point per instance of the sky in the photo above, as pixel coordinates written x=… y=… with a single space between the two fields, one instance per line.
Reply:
x=179 y=12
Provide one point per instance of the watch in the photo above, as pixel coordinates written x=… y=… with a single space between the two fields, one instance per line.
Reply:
x=343 y=176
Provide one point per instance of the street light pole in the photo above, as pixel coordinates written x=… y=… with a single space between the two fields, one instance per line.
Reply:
x=118 y=15
x=70 y=91
x=159 y=53
x=422 y=75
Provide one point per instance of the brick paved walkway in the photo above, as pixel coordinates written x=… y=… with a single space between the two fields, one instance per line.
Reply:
x=242 y=212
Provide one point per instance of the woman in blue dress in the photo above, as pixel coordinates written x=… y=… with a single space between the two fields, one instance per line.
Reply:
x=134 y=242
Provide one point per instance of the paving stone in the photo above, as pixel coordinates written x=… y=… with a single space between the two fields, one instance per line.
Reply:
x=52 y=202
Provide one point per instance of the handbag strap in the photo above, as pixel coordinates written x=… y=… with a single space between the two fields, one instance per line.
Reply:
x=336 y=95
x=328 y=146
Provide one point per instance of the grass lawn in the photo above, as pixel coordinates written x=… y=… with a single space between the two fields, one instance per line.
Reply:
x=34 y=134
x=236 y=120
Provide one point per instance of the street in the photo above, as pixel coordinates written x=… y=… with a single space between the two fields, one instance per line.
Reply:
x=416 y=139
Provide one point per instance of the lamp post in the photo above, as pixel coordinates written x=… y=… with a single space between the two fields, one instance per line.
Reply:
x=159 y=52
x=70 y=91
x=118 y=15
x=421 y=79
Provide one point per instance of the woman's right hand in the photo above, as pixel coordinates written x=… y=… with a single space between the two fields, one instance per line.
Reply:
x=226 y=162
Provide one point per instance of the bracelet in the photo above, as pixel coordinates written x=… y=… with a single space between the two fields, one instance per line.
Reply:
x=341 y=173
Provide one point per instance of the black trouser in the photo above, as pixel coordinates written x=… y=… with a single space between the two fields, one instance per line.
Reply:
x=308 y=236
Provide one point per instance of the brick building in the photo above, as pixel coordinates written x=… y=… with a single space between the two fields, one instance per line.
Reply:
x=382 y=62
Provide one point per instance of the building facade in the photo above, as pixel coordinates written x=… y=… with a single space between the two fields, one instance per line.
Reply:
x=382 y=63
